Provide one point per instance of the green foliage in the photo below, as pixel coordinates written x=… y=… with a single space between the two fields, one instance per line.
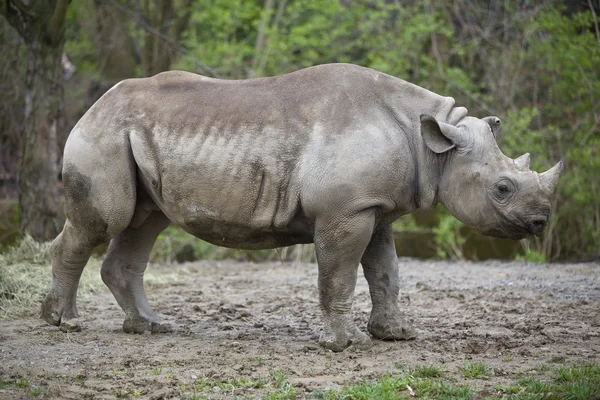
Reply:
x=534 y=67
x=531 y=255
x=562 y=122
x=448 y=237
x=175 y=245
x=407 y=223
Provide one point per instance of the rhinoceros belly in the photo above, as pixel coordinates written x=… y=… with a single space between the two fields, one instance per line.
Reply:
x=226 y=188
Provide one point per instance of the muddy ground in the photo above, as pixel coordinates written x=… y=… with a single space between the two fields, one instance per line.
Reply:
x=261 y=321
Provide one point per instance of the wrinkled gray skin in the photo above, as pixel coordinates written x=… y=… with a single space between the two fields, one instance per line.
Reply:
x=331 y=154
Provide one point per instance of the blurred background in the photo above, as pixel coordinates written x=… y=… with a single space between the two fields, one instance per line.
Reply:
x=535 y=64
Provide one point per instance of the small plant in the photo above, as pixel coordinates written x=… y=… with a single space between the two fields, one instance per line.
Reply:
x=386 y=388
x=533 y=385
x=431 y=388
x=531 y=256
x=508 y=389
x=121 y=394
x=543 y=368
x=324 y=395
x=427 y=371
x=476 y=370
x=156 y=371
x=22 y=383
x=575 y=373
x=278 y=378
x=284 y=393
x=448 y=238
x=81 y=379
x=508 y=358
x=36 y=392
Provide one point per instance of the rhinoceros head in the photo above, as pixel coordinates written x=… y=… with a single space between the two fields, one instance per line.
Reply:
x=482 y=187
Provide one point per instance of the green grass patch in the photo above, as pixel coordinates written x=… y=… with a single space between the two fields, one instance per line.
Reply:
x=476 y=371
x=533 y=386
x=403 y=387
x=275 y=387
x=387 y=388
x=433 y=388
x=427 y=371
x=577 y=382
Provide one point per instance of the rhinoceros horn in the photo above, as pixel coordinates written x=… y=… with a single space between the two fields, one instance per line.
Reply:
x=550 y=178
x=523 y=162
x=494 y=123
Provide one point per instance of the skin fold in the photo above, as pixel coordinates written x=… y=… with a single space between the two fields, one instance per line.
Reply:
x=330 y=155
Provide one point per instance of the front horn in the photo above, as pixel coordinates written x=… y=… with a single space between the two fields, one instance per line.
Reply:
x=550 y=177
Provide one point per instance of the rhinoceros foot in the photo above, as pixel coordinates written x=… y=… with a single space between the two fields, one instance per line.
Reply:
x=340 y=333
x=141 y=324
x=56 y=312
x=387 y=327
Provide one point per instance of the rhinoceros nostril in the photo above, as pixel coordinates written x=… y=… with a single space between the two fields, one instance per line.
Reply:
x=537 y=225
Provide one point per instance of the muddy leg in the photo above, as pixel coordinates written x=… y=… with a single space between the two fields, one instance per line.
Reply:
x=339 y=246
x=70 y=252
x=123 y=272
x=380 y=266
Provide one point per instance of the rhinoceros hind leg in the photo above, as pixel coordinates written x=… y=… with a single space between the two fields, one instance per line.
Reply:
x=123 y=272
x=70 y=252
x=380 y=266
x=340 y=243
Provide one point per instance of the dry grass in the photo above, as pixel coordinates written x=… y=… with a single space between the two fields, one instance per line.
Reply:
x=26 y=275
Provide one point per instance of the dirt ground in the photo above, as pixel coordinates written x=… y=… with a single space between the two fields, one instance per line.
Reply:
x=235 y=320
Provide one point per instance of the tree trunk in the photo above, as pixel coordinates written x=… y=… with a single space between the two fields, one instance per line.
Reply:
x=38 y=177
x=41 y=25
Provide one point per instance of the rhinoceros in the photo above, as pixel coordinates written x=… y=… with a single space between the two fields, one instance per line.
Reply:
x=329 y=155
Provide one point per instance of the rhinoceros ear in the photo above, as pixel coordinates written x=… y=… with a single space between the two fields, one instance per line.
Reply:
x=494 y=123
x=438 y=136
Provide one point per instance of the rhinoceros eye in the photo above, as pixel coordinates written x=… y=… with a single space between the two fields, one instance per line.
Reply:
x=503 y=191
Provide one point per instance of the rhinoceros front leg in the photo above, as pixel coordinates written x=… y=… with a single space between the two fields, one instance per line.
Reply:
x=380 y=265
x=123 y=272
x=339 y=244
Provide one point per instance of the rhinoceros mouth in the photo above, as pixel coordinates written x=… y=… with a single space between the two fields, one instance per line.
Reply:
x=507 y=228
x=507 y=234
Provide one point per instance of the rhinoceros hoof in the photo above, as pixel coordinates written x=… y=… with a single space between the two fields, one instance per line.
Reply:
x=70 y=325
x=141 y=325
x=50 y=310
x=392 y=329
x=160 y=327
x=61 y=316
x=339 y=341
